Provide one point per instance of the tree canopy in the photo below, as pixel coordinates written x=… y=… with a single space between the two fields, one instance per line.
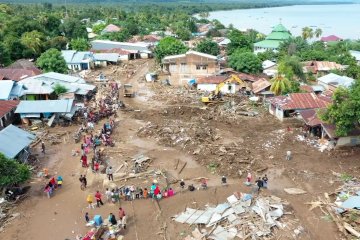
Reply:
x=80 y=44
x=12 y=172
x=344 y=111
x=246 y=62
x=52 y=61
x=208 y=46
x=169 y=46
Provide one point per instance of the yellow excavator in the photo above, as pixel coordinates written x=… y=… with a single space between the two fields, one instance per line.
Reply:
x=216 y=96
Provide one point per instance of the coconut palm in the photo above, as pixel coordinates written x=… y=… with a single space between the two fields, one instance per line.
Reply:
x=307 y=33
x=33 y=41
x=318 y=32
x=279 y=84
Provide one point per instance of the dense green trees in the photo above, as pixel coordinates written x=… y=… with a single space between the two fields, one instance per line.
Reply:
x=246 y=62
x=344 y=112
x=52 y=61
x=12 y=172
x=169 y=46
x=4 y=56
x=238 y=41
x=208 y=46
x=80 y=44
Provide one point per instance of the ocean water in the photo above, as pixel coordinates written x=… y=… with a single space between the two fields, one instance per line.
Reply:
x=340 y=20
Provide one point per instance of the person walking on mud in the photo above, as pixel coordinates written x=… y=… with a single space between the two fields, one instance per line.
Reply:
x=43 y=147
x=98 y=198
x=259 y=184
x=288 y=155
x=109 y=173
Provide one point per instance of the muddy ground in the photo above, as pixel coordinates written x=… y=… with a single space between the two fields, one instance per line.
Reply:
x=172 y=127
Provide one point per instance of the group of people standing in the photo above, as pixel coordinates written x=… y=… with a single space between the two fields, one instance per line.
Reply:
x=261 y=182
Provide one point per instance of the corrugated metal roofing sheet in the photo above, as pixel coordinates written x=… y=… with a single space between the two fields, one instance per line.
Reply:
x=299 y=101
x=336 y=80
x=109 y=57
x=18 y=74
x=260 y=85
x=7 y=106
x=13 y=140
x=5 y=89
x=106 y=45
x=45 y=106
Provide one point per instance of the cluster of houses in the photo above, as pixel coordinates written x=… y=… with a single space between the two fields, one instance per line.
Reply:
x=206 y=71
x=27 y=96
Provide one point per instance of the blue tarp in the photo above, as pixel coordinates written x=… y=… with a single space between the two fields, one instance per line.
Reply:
x=352 y=202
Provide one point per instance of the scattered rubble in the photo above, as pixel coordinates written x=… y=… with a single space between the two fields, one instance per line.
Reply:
x=343 y=207
x=241 y=216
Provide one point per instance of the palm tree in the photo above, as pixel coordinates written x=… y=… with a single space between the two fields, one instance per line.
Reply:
x=318 y=32
x=307 y=33
x=279 y=84
x=33 y=41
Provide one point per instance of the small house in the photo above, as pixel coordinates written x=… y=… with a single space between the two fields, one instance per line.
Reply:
x=269 y=68
x=7 y=112
x=260 y=87
x=103 y=59
x=286 y=106
x=41 y=87
x=78 y=61
x=356 y=55
x=15 y=142
x=190 y=65
x=333 y=81
x=141 y=50
x=320 y=68
x=45 y=109
x=111 y=28
x=209 y=84
x=331 y=39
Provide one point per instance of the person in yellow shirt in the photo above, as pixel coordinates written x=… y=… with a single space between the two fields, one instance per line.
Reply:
x=90 y=201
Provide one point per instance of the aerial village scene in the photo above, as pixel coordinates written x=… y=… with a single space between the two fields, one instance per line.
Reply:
x=163 y=123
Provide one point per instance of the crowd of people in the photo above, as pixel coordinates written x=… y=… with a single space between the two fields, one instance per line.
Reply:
x=53 y=185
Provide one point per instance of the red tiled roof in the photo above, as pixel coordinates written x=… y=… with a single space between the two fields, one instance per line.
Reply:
x=299 y=101
x=7 y=106
x=216 y=79
x=18 y=74
x=331 y=38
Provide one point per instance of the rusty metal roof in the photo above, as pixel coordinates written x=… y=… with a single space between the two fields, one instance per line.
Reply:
x=260 y=85
x=7 y=106
x=298 y=101
x=310 y=117
x=215 y=79
x=17 y=74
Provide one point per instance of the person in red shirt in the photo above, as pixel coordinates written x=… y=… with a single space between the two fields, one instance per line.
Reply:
x=84 y=160
x=98 y=199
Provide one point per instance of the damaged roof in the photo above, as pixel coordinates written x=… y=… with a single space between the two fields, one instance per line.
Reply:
x=298 y=101
x=215 y=79
x=310 y=117
x=7 y=106
x=260 y=85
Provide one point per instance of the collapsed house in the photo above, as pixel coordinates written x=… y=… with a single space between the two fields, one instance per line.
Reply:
x=15 y=142
x=239 y=217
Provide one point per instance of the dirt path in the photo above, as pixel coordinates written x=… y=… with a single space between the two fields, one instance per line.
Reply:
x=61 y=217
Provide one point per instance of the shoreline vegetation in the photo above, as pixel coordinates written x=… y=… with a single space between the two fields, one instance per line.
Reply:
x=190 y=6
